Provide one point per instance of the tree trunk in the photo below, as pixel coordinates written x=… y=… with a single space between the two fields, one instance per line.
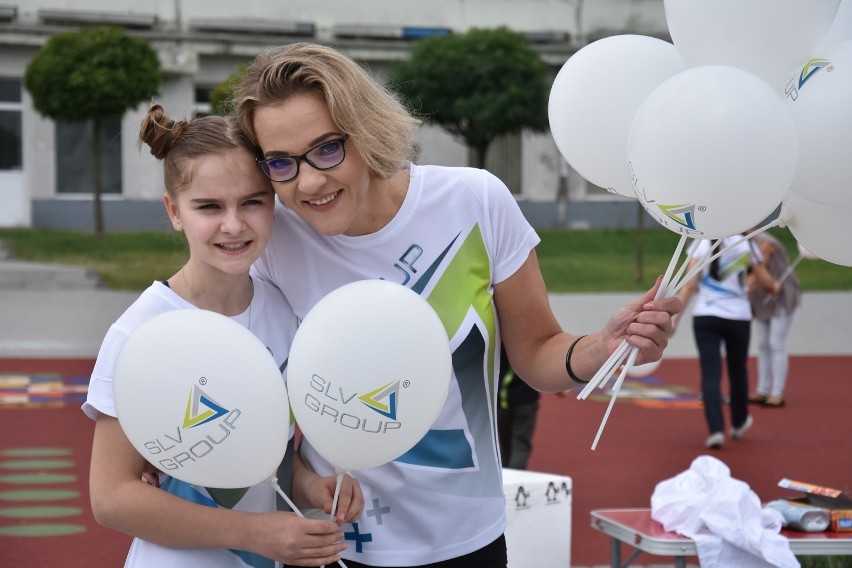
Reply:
x=96 y=179
x=478 y=153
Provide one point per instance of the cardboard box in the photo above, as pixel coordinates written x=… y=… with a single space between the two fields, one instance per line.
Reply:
x=838 y=504
x=538 y=506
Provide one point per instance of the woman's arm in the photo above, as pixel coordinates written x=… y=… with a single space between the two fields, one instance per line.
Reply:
x=760 y=269
x=537 y=346
x=122 y=501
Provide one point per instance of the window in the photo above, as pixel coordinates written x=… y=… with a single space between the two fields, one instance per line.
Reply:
x=74 y=156
x=10 y=124
x=202 y=98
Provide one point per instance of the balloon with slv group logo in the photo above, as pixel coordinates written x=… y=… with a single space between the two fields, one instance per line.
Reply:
x=768 y=38
x=712 y=152
x=594 y=98
x=368 y=373
x=201 y=398
x=820 y=100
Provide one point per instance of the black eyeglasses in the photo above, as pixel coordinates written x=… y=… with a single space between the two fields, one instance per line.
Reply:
x=322 y=157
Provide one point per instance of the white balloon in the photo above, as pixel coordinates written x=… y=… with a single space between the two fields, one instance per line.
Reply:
x=840 y=30
x=201 y=398
x=768 y=38
x=805 y=252
x=820 y=101
x=638 y=371
x=594 y=98
x=822 y=229
x=712 y=151
x=368 y=373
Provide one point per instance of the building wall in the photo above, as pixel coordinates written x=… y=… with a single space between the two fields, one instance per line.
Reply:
x=201 y=43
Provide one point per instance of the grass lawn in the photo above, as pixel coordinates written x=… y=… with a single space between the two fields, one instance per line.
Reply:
x=571 y=261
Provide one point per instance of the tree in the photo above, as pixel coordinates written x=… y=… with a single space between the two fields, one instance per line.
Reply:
x=92 y=74
x=478 y=85
x=222 y=95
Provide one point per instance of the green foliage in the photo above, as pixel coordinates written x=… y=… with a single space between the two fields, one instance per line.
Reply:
x=222 y=95
x=478 y=85
x=92 y=73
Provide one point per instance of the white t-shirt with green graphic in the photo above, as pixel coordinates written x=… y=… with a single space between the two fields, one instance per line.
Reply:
x=273 y=322
x=458 y=232
x=726 y=297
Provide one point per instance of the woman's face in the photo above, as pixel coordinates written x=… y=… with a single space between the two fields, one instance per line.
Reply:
x=334 y=201
x=226 y=211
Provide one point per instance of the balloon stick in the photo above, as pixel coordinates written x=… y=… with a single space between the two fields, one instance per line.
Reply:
x=340 y=473
x=787 y=272
x=700 y=266
x=615 y=390
x=617 y=358
x=274 y=482
x=625 y=350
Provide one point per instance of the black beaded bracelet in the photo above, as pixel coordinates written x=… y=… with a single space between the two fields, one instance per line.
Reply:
x=568 y=361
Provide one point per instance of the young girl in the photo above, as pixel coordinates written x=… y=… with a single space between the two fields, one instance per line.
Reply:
x=224 y=207
x=337 y=147
x=722 y=315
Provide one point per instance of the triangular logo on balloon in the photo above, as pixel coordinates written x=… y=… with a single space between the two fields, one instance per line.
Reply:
x=811 y=68
x=388 y=393
x=680 y=214
x=201 y=408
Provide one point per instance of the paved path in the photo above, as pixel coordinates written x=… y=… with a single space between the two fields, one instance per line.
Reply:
x=64 y=312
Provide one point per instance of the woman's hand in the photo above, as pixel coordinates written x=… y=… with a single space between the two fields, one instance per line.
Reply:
x=645 y=323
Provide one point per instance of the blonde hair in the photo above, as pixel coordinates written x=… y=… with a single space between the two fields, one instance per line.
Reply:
x=177 y=143
x=377 y=122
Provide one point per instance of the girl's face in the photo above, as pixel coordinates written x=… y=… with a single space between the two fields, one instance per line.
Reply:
x=226 y=211
x=334 y=201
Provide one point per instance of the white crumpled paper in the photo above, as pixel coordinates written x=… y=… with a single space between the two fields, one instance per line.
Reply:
x=723 y=516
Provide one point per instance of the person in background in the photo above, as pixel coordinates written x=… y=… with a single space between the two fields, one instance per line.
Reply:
x=722 y=318
x=517 y=411
x=337 y=146
x=773 y=314
x=224 y=207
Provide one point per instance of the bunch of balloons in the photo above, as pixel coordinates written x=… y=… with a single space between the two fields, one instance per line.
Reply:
x=747 y=109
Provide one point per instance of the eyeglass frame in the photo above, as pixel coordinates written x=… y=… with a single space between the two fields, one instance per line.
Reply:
x=303 y=158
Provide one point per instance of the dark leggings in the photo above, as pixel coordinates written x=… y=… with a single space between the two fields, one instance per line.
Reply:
x=710 y=332
x=491 y=556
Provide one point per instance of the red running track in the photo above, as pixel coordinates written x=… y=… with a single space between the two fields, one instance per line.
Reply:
x=654 y=432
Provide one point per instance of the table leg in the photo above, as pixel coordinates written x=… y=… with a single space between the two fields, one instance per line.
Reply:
x=615 y=555
x=615 y=552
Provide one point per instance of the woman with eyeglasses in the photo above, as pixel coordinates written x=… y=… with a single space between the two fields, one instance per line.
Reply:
x=224 y=207
x=338 y=148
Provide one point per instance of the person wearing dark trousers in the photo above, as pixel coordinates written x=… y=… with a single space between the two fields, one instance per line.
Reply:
x=722 y=319
x=517 y=412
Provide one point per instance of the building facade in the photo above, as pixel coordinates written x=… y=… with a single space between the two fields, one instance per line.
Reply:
x=45 y=179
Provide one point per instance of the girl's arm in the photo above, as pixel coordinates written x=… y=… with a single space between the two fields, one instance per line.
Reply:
x=121 y=500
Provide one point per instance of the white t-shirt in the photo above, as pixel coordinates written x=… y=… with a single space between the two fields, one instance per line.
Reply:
x=273 y=322
x=458 y=232
x=727 y=297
